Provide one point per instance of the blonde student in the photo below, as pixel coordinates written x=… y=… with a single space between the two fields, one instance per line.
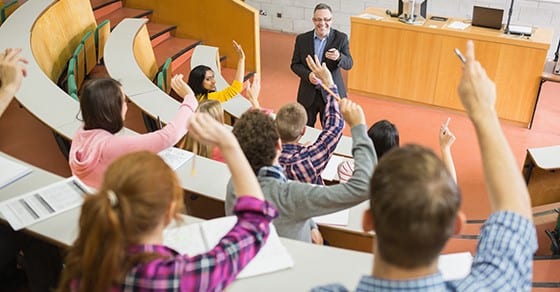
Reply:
x=120 y=243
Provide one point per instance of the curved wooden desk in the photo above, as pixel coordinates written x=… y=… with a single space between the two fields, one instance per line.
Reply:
x=38 y=94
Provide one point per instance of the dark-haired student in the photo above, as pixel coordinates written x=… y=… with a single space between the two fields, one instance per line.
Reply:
x=384 y=135
x=298 y=202
x=120 y=244
x=103 y=108
x=415 y=209
x=203 y=82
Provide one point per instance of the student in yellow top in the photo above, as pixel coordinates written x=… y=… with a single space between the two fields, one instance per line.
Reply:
x=203 y=83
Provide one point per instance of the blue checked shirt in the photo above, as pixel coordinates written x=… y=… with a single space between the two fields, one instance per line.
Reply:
x=306 y=163
x=503 y=262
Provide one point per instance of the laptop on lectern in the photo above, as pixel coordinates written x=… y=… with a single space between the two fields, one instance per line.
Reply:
x=487 y=17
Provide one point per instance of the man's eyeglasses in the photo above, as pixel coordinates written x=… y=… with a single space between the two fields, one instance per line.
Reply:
x=318 y=19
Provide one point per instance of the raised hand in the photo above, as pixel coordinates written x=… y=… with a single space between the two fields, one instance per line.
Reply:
x=352 y=112
x=180 y=86
x=319 y=70
x=239 y=50
x=12 y=69
x=252 y=92
x=477 y=91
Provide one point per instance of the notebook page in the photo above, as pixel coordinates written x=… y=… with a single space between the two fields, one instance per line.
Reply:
x=272 y=257
x=10 y=171
x=43 y=203
x=185 y=239
x=175 y=157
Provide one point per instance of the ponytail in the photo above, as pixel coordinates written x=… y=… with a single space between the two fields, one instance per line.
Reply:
x=97 y=256
x=137 y=193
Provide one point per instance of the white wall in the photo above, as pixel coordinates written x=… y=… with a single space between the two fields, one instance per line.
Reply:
x=296 y=14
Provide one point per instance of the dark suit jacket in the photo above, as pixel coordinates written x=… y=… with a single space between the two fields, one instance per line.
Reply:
x=303 y=47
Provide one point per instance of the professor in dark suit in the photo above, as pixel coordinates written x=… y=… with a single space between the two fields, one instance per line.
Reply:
x=331 y=46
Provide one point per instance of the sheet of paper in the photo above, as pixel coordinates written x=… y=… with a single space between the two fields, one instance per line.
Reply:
x=370 y=16
x=336 y=218
x=330 y=172
x=10 y=171
x=175 y=157
x=43 y=203
x=272 y=257
x=455 y=266
x=186 y=239
x=458 y=25
x=198 y=238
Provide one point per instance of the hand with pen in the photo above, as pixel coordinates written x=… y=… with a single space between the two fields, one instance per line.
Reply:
x=446 y=139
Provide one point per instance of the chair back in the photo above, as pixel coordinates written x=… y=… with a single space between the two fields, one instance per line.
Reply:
x=89 y=49
x=102 y=32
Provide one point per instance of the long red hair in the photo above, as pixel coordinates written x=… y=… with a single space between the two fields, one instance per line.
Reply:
x=137 y=192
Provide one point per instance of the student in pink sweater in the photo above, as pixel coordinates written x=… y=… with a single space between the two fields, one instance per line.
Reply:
x=98 y=143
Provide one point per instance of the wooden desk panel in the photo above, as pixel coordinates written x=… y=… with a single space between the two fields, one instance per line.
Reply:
x=417 y=63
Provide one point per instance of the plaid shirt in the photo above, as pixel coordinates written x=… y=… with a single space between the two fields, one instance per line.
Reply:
x=211 y=271
x=503 y=262
x=306 y=163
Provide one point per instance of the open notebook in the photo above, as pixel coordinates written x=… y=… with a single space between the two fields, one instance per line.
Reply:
x=198 y=238
x=43 y=203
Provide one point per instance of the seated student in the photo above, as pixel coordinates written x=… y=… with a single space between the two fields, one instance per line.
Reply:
x=214 y=109
x=446 y=139
x=202 y=82
x=120 y=244
x=415 y=209
x=384 y=136
x=96 y=144
x=298 y=202
x=12 y=71
x=305 y=163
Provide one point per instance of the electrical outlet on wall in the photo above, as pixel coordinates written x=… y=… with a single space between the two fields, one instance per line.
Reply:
x=279 y=14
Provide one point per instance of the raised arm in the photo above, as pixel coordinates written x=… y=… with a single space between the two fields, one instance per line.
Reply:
x=322 y=149
x=243 y=241
x=446 y=139
x=240 y=73
x=208 y=131
x=506 y=187
x=12 y=71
